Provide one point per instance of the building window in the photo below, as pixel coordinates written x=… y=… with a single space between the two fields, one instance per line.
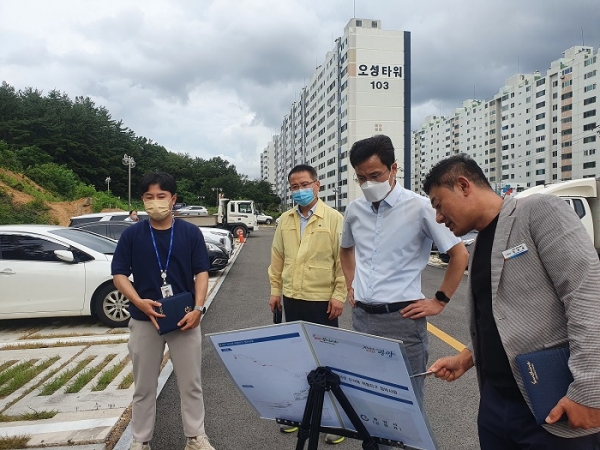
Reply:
x=589 y=101
x=590 y=113
x=589 y=165
x=589 y=126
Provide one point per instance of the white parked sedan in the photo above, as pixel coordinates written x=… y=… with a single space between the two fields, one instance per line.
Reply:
x=52 y=271
x=192 y=211
x=263 y=218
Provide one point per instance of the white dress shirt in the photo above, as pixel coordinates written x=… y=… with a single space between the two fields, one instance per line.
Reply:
x=392 y=245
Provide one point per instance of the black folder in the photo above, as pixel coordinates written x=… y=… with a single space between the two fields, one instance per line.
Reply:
x=174 y=308
x=547 y=377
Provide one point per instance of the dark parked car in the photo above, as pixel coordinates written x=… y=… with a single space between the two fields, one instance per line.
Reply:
x=217 y=257
x=109 y=229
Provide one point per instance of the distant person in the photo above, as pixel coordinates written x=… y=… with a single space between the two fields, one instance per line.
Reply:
x=386 y=243
x=164 y=256
x=305 y=264
x=133 y=217
x=534 y=283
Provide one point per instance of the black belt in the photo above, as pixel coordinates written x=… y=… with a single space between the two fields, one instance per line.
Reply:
x=383 y=309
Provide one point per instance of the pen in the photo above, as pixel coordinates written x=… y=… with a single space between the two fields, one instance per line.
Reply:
x=422 y=374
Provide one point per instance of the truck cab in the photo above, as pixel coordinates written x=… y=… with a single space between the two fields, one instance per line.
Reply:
x=582 y=196
x=232 y=212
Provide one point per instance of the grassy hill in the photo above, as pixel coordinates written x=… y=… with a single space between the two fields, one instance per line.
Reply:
x=24 y=201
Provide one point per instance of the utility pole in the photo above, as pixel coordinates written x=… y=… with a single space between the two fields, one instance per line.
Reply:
x=130 y=163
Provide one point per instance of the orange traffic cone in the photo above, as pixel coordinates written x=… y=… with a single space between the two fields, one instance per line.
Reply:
x=240 y=234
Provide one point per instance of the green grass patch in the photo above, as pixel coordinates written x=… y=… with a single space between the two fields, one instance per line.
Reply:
x=110 y=374
x=21 y=374
x=126 y=381
x=28 y=187
x=35 y=415
x=87 y=375
x=13 y=442
x=63 y=378
x=14 y=213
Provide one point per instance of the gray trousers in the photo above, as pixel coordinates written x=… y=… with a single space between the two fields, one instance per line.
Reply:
x=413 y=333
x=146 y=349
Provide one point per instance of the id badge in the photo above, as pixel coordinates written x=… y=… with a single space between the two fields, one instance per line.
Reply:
x=167 y=290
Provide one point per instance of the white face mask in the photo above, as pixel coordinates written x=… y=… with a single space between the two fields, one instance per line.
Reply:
x=375 y=191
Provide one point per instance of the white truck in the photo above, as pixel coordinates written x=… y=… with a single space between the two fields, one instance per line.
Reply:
x=232 y=215
x=582 y=196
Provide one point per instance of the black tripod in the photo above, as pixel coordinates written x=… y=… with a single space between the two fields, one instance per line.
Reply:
x=321 y=380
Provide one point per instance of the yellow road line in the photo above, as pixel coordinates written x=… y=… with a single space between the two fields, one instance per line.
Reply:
x=445 y=337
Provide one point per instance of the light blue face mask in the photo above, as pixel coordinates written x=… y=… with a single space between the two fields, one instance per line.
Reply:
x=303 y=196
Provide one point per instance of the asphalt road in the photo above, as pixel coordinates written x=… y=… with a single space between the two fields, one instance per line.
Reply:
x=242 y=302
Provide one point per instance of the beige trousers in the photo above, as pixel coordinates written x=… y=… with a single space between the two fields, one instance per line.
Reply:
x=146 y=349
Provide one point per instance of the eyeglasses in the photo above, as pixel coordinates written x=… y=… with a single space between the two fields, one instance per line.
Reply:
x=372 y=177
x=295 y=187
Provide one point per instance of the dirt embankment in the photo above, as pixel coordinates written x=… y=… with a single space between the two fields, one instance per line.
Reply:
x=61 y=212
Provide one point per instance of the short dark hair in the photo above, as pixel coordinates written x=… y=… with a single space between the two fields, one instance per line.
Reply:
x=445 y=173
x=304 y=168
x=132 y=211
x=380 y=145
x=164 y=180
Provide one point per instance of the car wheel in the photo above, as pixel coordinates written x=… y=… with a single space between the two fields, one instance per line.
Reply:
x=244 y=232
x=112 y=307
x=268 y=221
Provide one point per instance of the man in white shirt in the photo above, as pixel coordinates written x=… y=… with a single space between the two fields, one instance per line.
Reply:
x=386 y=242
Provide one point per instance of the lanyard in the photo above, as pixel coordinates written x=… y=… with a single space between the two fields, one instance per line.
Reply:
x=163 y=273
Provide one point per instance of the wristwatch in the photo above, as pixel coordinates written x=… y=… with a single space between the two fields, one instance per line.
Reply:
x=442 y=297
x=202 y=308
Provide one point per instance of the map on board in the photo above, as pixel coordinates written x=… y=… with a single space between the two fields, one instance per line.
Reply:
x=270 y=364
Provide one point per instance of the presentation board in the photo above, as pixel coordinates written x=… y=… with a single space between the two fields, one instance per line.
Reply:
x=270 y=365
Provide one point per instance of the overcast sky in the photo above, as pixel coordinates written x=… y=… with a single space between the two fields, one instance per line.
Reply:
x=215 y=78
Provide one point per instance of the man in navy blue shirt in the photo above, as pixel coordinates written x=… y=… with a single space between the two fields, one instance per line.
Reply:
x=165 y=257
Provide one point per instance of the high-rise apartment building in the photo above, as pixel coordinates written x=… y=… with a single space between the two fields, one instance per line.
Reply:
x=361 y=89
x=536 y=130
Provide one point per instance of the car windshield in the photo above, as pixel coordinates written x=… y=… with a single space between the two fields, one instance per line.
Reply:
x=93 y=241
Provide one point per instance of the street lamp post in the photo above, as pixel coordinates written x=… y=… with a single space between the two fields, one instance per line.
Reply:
x=336 y=191
x=108 y=183
x=130 y=163
x=218 y=190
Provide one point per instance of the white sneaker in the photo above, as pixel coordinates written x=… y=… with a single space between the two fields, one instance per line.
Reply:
x=198 y=443
x=139 y=446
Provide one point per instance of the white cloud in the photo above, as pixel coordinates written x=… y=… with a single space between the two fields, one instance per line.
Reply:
x=215 y=77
